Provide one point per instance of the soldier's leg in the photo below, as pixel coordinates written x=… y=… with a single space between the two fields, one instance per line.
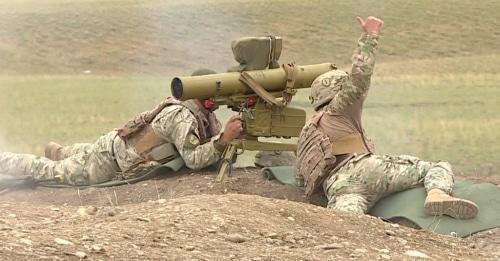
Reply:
x=98 y=160
x=345 y=189
x=402 y=172
x=398 y=173
x=439 y=184
x=366 y=179
x=353 y=203
x=55 y=151
x=39 y=167
x=439 y=176
x=77 y=148
x=94 y=167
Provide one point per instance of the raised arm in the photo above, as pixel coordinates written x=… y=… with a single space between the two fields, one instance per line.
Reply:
x=356 y=84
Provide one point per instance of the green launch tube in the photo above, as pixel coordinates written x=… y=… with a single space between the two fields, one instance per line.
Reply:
x=227 y=84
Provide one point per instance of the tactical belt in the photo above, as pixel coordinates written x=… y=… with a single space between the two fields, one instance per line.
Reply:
x=352 y=143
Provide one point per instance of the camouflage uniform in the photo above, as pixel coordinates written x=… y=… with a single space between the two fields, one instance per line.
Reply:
x=354 y=182
x=365 y=179
x=84 y=164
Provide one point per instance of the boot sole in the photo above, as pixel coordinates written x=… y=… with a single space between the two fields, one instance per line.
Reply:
x=457 y=208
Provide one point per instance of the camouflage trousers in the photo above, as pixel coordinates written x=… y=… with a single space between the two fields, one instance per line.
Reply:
x=365 y=179
x=82 y=163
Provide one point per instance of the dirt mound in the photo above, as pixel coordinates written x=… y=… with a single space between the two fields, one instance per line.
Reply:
x=213 y=227
x=162 y=219
x=173 y=185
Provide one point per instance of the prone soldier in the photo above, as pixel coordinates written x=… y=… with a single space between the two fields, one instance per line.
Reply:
x=188 y=129
x=334 y=154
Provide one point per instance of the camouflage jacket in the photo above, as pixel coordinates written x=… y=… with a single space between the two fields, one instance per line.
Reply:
x=177 y=125
x=356 y=87
x=340 y=118
x=342 y=115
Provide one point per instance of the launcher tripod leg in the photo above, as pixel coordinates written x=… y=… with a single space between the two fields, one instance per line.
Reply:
x=254 y=145
x=227 y=162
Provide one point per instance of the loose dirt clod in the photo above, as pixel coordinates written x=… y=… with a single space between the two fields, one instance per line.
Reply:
x=235 y=238
x=416 y=254
x=61 y=241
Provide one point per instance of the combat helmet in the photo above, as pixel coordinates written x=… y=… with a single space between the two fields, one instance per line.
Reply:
x=326 y=86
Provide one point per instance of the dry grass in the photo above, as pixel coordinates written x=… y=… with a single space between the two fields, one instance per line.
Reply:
x=172 y=37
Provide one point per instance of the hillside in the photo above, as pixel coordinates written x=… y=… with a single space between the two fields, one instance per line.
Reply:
x=177 y=37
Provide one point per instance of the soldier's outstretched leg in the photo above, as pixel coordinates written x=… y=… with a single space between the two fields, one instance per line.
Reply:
x=352 y=203
x=366 y=179
x=439 y=201
x=91 y=167
x=404 y=172
x=345 y=190
x=71 y=170
x=55 y=151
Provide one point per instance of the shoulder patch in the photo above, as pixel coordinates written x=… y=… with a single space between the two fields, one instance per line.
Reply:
x=192 y=141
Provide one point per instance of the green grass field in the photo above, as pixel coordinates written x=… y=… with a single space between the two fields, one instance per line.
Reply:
x=434 y=93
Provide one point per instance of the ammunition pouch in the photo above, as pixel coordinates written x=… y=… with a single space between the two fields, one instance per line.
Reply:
x=151 y=147
x=315 y=159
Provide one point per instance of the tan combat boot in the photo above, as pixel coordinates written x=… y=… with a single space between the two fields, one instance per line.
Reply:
x=439 y=202
x=52 y=151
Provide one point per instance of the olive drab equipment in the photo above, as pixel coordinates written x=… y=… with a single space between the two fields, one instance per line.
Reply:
x=256 y=53
x=260 y=91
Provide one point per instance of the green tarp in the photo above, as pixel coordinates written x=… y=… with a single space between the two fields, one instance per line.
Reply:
x=409 y=205
x=284 y=174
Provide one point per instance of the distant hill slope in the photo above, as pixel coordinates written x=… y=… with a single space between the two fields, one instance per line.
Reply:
x=160 y=37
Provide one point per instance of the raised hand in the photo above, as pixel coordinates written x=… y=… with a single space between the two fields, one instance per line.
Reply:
x=372 y=25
